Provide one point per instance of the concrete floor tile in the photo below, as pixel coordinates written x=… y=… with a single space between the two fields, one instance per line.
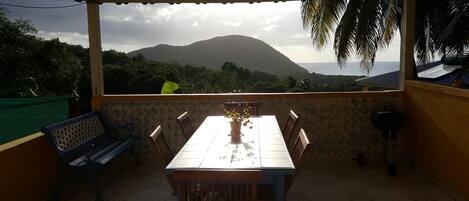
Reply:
x=321 y=180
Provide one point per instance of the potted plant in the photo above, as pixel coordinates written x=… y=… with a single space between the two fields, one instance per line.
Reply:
x=239 y=117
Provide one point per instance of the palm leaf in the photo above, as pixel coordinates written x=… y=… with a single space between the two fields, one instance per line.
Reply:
x=368 y=33
x=321 y=17
x=390 y=22
x=346 y=31
x=430 y=21
x=455 y=36
x=369 y=25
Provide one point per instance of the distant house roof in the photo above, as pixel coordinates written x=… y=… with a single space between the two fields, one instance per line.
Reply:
x=390 y=80
x=434 y=72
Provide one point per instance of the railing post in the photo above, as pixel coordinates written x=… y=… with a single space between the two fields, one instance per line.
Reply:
x=407 y=42
x=94 y=34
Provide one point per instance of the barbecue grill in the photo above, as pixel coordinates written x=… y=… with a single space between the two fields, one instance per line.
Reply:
x=389 y=121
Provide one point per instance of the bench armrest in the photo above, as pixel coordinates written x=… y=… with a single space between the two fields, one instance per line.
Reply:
x=87 y=151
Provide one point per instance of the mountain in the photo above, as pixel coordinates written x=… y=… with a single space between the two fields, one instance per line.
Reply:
x=246 y=52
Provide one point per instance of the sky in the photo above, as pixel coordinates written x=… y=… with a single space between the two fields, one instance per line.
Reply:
x=134 y=26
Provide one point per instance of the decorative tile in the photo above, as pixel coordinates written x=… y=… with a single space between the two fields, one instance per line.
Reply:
x=339 y=128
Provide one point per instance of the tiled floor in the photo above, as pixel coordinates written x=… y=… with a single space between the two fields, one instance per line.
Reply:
x=317 y=180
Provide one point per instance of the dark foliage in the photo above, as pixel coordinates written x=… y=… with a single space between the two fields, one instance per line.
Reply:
x=30 y=66
x=363 y=27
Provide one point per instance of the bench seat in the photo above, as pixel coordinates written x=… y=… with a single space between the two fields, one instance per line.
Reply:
x=104 y=154
x=85 y=144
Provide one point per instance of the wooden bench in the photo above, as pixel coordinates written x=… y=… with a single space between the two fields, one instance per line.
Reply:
x=85 y=144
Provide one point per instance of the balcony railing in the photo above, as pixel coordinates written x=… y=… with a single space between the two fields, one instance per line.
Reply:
x=339 y=124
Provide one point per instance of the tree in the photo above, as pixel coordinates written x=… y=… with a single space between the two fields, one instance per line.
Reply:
x=16 y=49
x=55 y=69
x=146 y=83
x=365 y=26
x=291 y=82
x=116 y=57
x=115 y=78
x=267 y=87
x=30 y=66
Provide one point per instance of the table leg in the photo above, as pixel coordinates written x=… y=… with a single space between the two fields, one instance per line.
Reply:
x=279 y=187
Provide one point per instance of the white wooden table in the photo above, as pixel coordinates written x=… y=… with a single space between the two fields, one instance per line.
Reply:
x=261 y=148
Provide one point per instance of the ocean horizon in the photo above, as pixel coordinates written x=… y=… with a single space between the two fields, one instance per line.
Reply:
x=350 y=68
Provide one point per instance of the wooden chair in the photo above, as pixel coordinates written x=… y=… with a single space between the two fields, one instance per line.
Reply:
x=186 y=124
x=233 y=105
x=289 y=128
x=158 y=140
x=217 y=185
x=302 y=144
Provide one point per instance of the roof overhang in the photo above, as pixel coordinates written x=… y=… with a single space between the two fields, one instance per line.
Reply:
x=438 y=71
x=391 y=80
x=180 y=1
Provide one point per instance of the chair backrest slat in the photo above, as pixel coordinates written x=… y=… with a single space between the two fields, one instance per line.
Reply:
x=217 y=185
x=289 y=127
x=186 y=125
x=159 y=141
x=302 y=144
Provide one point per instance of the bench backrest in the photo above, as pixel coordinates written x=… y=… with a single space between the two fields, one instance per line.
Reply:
x=72 y=136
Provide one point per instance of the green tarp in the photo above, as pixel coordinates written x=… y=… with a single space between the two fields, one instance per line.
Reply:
x=20 y=117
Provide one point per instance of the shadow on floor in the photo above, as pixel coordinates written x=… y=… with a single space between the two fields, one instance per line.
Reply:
x=318 y=180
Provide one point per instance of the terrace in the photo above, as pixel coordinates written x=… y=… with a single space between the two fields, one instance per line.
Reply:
x=433 y=152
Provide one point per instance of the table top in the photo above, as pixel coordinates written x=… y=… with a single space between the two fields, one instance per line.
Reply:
x=261 y=148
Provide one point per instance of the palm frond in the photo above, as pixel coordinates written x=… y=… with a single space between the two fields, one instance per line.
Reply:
x=367 y=26
x=455 y=35
x=321 y=17
x=420 y=46
x=369 y=33
x=389 y=22
x=430 y=23
x=346 y=32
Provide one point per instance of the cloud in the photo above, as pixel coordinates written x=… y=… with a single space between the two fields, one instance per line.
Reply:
x=306 y=53
x=168 y=11
x=133 y=26
x=117 y=18
x=300 y=36
x=270 y=27
x=232 y=24
x=68 y=37
x=272 y=19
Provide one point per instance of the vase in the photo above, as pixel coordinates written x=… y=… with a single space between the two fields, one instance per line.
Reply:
x=235 y=130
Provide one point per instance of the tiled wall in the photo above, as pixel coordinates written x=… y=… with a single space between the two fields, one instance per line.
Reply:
x=338 y=126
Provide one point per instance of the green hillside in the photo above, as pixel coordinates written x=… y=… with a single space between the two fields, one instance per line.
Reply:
x=250 y=53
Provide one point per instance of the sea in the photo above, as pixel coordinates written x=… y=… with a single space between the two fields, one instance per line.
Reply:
x=350 y=68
